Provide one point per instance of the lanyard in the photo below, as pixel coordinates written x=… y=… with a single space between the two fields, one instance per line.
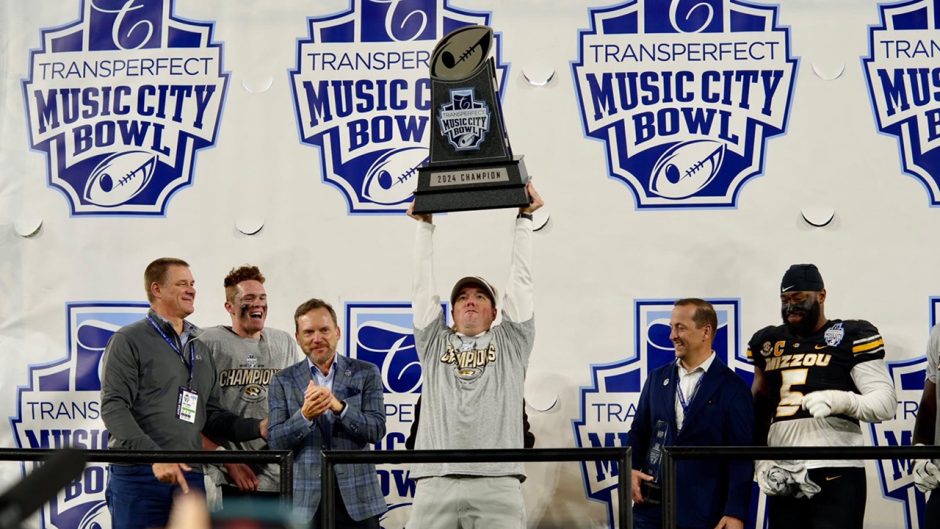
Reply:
x=682 y=402
x=191 y=365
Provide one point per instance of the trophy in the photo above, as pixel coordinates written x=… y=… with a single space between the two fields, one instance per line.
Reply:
x=470 y=165
x=652 y=490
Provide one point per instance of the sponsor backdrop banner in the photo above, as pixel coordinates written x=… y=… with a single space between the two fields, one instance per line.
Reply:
x=683 y=147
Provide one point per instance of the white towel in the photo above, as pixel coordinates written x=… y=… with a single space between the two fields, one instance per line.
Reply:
x=785 y=478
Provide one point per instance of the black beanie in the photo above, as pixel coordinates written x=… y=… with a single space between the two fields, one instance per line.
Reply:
x=804 y=277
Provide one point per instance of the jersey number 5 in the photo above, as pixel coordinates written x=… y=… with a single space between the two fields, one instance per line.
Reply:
x=790 y=401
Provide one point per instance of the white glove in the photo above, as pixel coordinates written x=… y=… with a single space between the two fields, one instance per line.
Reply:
x=926 y=475
x=829 y=402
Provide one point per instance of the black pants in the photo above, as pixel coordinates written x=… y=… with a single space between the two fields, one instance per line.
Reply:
x=342 y=519
x=839 y=505
x=932 y=514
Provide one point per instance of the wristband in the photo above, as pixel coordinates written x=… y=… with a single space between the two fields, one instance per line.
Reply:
x=524 y=216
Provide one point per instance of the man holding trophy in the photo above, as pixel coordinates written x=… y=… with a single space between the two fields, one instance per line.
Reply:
x=696 y=401
x=474 y=374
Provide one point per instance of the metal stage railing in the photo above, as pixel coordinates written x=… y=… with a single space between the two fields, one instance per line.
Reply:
x=671 y=456
x=283 y=458
x=673 y=453
x=333 y=457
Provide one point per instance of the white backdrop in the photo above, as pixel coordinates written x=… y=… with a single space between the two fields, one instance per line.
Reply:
x=597 y=256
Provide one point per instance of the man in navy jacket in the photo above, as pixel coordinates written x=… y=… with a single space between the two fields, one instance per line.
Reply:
x=696 y=401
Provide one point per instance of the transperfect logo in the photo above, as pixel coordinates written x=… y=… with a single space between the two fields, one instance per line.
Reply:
x=903 y=72
x=684 y=95
x=120 y=101
x=383 y=334
x=61 y=408
x=609 y=404
x=897 y=482
x=363 y=96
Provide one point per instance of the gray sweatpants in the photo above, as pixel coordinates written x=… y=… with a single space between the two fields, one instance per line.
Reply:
x=468 y=503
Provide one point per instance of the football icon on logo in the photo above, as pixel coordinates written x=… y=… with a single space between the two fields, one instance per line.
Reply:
x=686 y=168
x=119 y=178
x=461 y=52
x=389 y=180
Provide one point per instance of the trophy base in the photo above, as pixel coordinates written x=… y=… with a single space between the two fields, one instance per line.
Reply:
x=468 y=187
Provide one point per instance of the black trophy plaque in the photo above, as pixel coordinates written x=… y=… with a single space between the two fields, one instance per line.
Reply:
x=652 y=490
x=471 y=165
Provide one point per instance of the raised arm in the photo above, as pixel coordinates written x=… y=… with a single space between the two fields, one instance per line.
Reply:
x=518 y=304
x=425 y=303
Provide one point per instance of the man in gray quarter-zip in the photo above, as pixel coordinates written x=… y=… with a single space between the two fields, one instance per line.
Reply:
x=474 y=374
x=158 y=392
x=247 y=355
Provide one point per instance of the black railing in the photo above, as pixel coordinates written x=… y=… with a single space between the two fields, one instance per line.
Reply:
x=333 y=457
x=283 y=458
x=672 y=453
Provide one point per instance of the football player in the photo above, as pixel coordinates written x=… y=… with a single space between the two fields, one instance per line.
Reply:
x=814 y=380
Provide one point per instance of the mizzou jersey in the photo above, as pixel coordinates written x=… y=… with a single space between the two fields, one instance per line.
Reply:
x=797 y=366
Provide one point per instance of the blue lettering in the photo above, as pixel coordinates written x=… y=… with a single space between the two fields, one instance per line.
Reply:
x=771 y=80
x=605 y=469
x=411 y=128
x=47 y=110
x=900 y=467
x=643 y=127
x=92 y=482
x=894 y=90
x=602 y=94
x=423 y=94
x=93 y=439
x=317 y=102
x=933 y=123
x=401 y=479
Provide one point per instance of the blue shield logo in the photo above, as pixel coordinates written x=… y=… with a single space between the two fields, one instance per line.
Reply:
x=684 y=95
x=901 y=74
x=61 y=408
x=120 y=101
x=362 y=95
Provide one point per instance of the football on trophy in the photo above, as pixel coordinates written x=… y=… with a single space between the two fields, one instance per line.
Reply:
x=120 y=177
x=391 y=178
x=686 y=168
x=461 y=52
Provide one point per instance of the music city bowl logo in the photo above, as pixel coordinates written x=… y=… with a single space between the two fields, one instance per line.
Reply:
x=363 y=96
x=464 y=120
x=608 y=405
x=61 y=408
x=897 y=482
x=120 y=101
x=684 y=94
x=383 y=334
x=903 y=73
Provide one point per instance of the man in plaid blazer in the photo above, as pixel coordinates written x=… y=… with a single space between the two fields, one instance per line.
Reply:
x=328 y=401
